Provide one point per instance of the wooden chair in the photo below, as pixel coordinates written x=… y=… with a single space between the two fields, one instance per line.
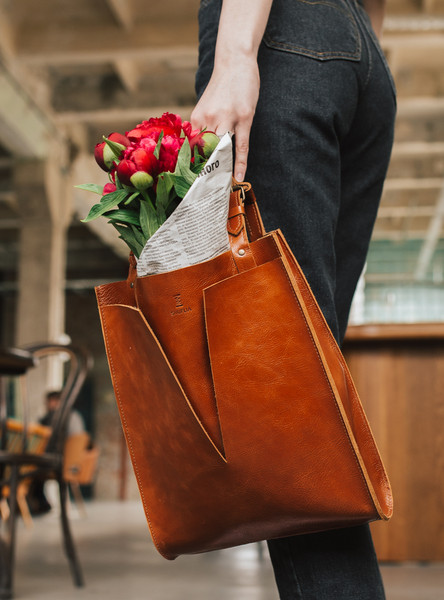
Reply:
x=37 y=437
x=80 y=464
x=15 y=467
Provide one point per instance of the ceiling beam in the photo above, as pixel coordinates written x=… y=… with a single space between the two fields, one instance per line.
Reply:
x=421 y=106
x=417 y=24
x=25 y=130
x=129 y=74
x=418 y=148
x=432 y=6
x=412 y=183
x=7 y=34
x=390 y=212
x=109 y=54
x=116 y=115
x=8 y=197
x=122 y=12
x=52 y=45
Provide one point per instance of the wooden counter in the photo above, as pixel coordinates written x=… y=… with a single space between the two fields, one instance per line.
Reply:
x=399 y=373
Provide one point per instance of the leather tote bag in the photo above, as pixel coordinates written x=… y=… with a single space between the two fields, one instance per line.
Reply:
x=240 y=414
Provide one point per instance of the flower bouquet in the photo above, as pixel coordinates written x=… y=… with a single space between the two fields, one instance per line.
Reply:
x=150 y=170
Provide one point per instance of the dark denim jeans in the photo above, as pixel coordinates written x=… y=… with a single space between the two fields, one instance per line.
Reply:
x=319 y=150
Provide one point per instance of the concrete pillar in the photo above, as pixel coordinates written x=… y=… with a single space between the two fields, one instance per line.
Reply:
x=43 y=198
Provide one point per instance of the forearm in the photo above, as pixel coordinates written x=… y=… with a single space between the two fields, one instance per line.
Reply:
x=241 y=27
x=229 y=101
x=376 y=11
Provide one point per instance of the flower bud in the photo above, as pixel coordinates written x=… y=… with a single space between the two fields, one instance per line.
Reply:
x=125 y=169
x=206 y=142
x=210 y=141
x=141 y=180
x=105 y=155
x=98 y=155
x=109 y=188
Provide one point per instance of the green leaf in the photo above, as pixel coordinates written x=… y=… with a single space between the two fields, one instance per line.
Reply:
x=138 y=235
x=174 y=203
x=115 y=147
x=181 y=186
x=91 y=187
x=123 y=216
x=119 y=196
x=197 y=167
x=148 y=219
x=106 y=203
x=183 y=163
x=157 y=148
x=164 y=186
x=189 y=175
x=169 y=179
x=169 y=184
x=127 y=235
x=183 y=158
x=161 y=215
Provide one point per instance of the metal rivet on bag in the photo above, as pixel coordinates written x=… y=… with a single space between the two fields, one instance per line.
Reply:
x=132 y=284
x=241 y=252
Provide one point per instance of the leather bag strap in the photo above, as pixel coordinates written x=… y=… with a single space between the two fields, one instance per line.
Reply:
x=238 y=229
x=253 y=219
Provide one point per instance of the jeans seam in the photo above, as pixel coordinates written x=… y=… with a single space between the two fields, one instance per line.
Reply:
x=375 y=44
x=370 y=62
x=283 y=546
x=297 y=587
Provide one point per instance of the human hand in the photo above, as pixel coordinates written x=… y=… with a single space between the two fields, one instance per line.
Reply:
x=229 y=103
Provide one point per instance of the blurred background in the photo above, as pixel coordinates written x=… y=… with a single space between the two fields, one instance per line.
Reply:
x=71 y=72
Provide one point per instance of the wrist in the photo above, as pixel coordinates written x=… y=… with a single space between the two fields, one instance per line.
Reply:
x=235 y=57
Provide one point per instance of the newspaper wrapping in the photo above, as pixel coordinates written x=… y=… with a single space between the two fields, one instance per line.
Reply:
x=197 y=229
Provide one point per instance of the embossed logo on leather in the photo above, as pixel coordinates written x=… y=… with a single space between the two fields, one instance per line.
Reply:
x=180 y=308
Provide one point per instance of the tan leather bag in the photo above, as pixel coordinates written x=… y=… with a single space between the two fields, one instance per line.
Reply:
x=240 y=415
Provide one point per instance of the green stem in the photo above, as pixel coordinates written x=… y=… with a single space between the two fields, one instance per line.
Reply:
x=148 y=199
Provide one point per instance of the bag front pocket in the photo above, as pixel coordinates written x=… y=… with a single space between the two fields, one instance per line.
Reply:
x=320 y=29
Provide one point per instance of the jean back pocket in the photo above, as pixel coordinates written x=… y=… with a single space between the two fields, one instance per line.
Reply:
x=320 y=29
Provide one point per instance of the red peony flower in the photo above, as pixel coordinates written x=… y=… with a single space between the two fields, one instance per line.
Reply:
x=169 y=123
x=103 y=154
x=139 y=159
x=186 y=126
x=169 y=149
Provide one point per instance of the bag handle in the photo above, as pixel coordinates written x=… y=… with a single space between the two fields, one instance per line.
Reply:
x=244 y=224
x=253 y=219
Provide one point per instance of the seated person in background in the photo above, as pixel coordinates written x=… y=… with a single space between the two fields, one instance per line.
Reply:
x=75 y=423
x=37 y=501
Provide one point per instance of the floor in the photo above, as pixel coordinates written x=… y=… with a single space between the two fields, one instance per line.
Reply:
x=120 y=563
